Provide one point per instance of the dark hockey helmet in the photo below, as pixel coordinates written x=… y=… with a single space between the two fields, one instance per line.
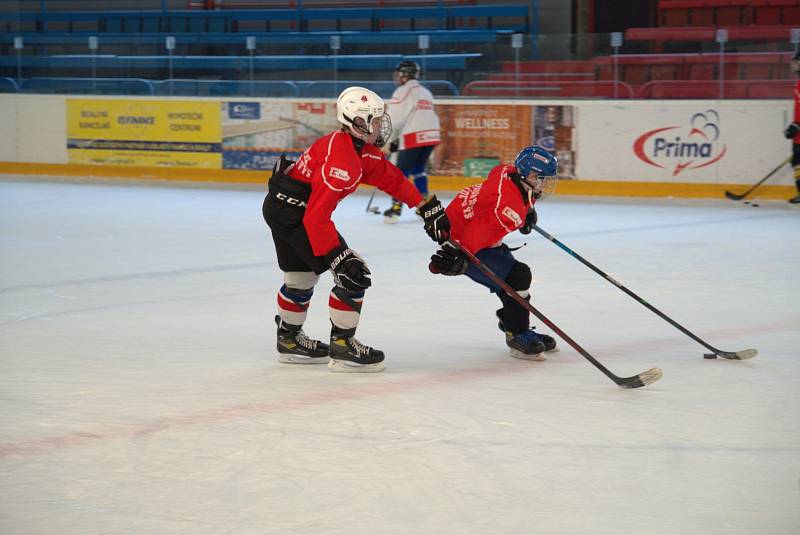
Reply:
x=409 y=69
x=538 y=169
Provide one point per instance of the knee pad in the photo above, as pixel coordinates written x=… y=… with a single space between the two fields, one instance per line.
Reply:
x=520 y=277
x=352 y=300
x=300 y=280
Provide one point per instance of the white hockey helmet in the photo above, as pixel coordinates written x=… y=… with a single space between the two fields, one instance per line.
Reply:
x=364 y=113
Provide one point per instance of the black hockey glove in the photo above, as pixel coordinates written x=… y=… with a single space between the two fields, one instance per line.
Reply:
x=349 y=270
x=449 y=261
x=791 y=130
x=436 y=223
x=530 y=221
x=394 y=146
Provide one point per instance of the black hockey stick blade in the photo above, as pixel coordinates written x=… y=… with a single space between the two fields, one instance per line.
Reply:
x=645 y=378
x=733 y=196
x=739 y=197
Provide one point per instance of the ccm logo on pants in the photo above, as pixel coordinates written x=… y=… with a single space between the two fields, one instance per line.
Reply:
x=290 y=200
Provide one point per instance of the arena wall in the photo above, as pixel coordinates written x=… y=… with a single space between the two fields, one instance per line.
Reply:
x=640 y=148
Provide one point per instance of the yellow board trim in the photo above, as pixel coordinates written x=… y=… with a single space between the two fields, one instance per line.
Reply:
x=438 y=183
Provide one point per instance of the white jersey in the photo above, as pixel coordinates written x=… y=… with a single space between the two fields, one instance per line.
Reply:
x=414 y=121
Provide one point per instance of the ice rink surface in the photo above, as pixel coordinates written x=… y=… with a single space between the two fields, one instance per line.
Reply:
x=139 y=391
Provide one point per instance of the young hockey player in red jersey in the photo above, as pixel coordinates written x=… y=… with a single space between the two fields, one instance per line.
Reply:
x=480 y=217
x=793 y=130
x=302 y=197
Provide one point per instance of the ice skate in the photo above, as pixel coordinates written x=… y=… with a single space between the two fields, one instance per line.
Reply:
x=548 y=341
x=392 y=214
x=349 y=355
x=294 y=347
x=525 y=346
x=795 y=200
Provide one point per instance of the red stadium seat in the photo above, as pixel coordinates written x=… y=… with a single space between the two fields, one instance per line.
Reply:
x=550 y=89
x=701 y=89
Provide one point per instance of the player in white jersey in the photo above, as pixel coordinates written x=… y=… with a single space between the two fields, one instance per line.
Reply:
x=416 y=130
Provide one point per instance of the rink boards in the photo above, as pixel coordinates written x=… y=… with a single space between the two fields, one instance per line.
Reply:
x=640 y=148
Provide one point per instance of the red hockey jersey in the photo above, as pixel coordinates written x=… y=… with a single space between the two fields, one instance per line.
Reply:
x=796 y=138
x=481 y=215
x=334 y=169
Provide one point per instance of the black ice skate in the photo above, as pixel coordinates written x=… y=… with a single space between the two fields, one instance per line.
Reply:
x=525 y=346
x=795 y=200
x=392 y=214
x=349 y=355
x=548 y=341
x=294 y=347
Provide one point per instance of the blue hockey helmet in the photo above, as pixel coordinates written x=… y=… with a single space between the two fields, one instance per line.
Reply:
x=538 y=169
x=535 y=158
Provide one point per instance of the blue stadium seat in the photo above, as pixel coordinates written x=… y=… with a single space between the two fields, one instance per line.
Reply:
x=328 y=88
x=351 y=62
x=229 y=20
x=88 y=86
x=8 y=85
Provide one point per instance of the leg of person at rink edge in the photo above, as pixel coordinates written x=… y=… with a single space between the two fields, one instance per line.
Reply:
x=796 y=166
x=413 y=163
x=514 y=320
x=793 y=130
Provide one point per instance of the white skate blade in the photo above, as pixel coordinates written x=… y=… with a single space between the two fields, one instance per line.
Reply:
x=288 y=358
x=345 y=366
x=391 y=220
x=538 y=357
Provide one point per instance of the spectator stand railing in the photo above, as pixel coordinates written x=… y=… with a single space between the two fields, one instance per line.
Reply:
x=548 y=89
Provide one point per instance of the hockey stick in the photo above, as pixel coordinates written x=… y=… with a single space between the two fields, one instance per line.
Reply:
x=372 y=209
x=737 y=355
x=644 y=378
x=739 y=197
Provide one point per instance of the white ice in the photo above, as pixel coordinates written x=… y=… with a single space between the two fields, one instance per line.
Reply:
x=139 y=390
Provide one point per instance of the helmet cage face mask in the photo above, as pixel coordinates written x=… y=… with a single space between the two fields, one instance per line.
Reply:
x=541 y=186
x=377 y=134
x=383 y=128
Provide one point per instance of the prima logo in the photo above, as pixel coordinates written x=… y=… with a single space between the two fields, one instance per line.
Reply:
x=678 y=148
